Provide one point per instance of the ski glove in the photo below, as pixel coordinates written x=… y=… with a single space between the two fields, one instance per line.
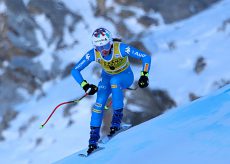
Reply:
x=144 y=80
x=89 y=88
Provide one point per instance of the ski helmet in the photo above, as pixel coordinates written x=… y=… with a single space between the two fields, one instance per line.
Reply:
x=102 y=40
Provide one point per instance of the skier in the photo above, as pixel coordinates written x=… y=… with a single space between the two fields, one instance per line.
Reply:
x=112 y=55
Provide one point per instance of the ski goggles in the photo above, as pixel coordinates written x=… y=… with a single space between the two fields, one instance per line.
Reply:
x=104 y=48
x=99 y=31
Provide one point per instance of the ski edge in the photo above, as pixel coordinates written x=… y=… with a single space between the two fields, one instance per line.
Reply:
x=107 y=138
x=86 y=155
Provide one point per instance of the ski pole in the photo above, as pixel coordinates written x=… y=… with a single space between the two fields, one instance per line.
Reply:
x=132 y=89
x=110 y=103
x=68 y=102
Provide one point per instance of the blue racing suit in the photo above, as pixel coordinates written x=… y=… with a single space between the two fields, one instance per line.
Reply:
x=116 y=75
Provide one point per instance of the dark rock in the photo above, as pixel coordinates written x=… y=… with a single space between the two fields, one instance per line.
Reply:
x=224 y=25
x=148 y=21
x=126 y=13
x=171 y=11
x=11 y=46
x=221 y=83
x=21 y=27
x=200 y=65
x=193 y=97
x=7 y=117
x=53 y=10
x=9 y=95
x=38 y=141
x=172 y=45
x=151 y=104
x=70 y=123
x=123 y=30
x=25 y=64
x=22 y=129
x=21 y=73
x=67 y=71
x=18 y=45
x=67 y=109
x=26 y=74
x=55 y=67
x=100 y=9
x=139 y=45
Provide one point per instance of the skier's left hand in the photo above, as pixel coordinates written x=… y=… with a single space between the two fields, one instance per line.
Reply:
x=144 y=80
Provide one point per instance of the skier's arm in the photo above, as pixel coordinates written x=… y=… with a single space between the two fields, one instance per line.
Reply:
x=146 y=62
x=137 y=54
x=76 y=72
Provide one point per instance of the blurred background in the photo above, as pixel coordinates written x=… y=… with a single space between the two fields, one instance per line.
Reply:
x=41 y=41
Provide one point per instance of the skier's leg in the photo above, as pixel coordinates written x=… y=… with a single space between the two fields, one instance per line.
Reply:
x=118 y=83
x=97 y=111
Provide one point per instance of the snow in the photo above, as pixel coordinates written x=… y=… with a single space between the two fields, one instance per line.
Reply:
x=2 y=7
x=195 y=133
x=23 y=92
x=43 y=36
x=133 y=25
x=45 y=24
x=74 y=137
x=46 y=57
x=193 y=39
x=26 y=2
x=181 y=134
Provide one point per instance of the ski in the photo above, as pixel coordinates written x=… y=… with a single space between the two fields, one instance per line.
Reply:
x=86 y=154
x=104 y=140
x=107 y=138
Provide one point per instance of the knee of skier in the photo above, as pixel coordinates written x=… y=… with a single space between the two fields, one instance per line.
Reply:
x=100 y=103
x=98 y=109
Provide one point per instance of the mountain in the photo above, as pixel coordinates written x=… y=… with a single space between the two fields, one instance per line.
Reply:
x=196 y=133
x=41 y=41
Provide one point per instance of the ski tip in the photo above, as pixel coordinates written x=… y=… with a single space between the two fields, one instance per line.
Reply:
x=42 y=126
x=86 y=154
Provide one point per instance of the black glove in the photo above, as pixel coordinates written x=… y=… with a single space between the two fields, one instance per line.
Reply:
x=144 y=80
x=89 y=88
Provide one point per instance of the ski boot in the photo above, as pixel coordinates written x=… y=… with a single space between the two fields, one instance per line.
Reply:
x=94 y=137
x=116 y=121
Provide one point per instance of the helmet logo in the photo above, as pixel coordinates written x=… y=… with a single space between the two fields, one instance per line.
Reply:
x=101 y=37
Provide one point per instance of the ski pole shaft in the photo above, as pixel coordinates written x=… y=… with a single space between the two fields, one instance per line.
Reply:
x=68 y=102
x=132 y=89
x=110 y=103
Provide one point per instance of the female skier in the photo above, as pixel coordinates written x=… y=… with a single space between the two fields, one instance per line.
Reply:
x=116 y=76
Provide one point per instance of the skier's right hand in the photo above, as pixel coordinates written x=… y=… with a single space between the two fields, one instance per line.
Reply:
x=89 y=88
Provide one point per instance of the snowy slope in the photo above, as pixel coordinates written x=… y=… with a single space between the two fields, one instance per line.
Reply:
x=171 y=70
x=197 y=133
x=201 y=35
